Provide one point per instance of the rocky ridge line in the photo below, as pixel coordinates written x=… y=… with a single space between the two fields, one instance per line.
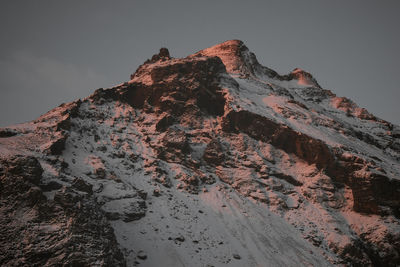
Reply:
x=179 y=124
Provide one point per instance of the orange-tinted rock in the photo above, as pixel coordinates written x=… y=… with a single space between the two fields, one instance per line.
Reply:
x=281 y=136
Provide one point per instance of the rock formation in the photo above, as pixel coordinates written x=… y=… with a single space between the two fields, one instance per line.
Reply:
x=209 y=159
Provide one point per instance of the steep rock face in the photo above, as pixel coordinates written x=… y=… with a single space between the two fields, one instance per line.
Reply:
x=193 y=155
x=234 y=54
x=165 y=85
x=238 y=59
x=280 y=136
x=35 y=232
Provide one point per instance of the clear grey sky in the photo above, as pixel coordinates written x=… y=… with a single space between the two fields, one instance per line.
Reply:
x=57 y=51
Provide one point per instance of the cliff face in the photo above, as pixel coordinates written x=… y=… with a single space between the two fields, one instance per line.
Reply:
x=36 y=231
x=209 y=159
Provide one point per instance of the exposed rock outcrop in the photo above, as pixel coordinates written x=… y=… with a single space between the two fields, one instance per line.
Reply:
x=187 y=141
x=67 y=231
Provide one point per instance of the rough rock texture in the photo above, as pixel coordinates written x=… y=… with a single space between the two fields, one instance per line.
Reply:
x=209 y=159
x=35 y=232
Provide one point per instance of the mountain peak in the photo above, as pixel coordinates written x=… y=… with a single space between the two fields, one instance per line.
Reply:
x=191 y=148
x=303 y=77
x=234 y=54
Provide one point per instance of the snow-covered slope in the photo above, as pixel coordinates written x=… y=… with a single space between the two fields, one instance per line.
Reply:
x=215 y=160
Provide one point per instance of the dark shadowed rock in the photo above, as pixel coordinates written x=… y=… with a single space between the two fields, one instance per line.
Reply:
x=7 y=132
x=38 y=232
x=236 y=256
x=141 y=255
x=213 y=153
x=165 y=121
x=24 y=167
x=81 y=185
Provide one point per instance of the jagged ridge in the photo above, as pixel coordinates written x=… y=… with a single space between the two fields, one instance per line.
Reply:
x=222 y=127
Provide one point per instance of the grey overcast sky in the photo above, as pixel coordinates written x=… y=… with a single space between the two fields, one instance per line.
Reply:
x=57 y=51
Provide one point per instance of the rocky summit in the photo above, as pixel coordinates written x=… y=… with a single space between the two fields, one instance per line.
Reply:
x=207 y=160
